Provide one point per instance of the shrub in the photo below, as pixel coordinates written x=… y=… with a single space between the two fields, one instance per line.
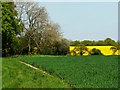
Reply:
x=35 y=50
x=95 y=51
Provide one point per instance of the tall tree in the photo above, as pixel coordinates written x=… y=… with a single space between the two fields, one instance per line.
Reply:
x=109 y=41
x=51 y=35
x=61 y=47
x=100 y=43
x=75 y=43
x=87 y=43
x=35 y=19
x=38 y=27
x=10 y=28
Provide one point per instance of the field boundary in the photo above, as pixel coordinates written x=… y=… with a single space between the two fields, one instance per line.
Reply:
x=33 y=67
x=44 y=72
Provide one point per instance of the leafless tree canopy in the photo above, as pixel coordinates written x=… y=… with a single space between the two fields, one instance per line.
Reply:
x=37 y=27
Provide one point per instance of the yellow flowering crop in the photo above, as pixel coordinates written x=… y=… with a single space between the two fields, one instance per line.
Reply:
x=104 y=49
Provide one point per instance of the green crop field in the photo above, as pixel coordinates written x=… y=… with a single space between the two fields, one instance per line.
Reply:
x=75 y=71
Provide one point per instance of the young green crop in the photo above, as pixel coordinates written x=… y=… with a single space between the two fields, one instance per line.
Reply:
x=80 y=71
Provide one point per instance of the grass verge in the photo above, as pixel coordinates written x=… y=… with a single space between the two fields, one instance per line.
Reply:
x=17 y=75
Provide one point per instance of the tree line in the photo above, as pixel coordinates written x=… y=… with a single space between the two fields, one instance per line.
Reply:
x=27 y=29
x=80 y=46
x=106 y=42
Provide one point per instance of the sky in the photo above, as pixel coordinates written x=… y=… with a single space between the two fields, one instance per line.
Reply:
x=85 y=20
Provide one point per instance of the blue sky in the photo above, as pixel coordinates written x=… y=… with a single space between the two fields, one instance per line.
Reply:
x=85 y=20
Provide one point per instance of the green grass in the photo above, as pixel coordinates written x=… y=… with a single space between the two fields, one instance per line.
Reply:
x=17 y=75
x=0 y=73
x=80 y=71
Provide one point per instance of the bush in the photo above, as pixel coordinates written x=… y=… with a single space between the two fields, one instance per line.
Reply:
x=96 y=52
x=35 y=50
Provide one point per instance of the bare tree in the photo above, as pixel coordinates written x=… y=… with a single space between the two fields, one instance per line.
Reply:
x=34 y=18
x=37 y=26
x=51 y=34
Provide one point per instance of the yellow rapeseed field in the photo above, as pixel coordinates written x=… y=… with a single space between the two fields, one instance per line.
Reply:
x=104 y=49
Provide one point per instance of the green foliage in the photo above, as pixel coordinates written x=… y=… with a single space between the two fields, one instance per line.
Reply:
x=61 y=47
x=40 y=33
x=106 y=42
x=109 y=41
x=17 y=75
x=87 y=43
x=57 y=48
x=95 y=51
x=10 y=27
x=100 y=43
x=80 y=72
x=75 y=43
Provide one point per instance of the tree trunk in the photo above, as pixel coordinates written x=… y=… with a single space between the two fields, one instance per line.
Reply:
x=114 y=52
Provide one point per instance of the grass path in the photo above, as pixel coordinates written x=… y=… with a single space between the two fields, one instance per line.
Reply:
x=29 y=65
x=0 y=73
x=44 y=72
x=18 y=75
